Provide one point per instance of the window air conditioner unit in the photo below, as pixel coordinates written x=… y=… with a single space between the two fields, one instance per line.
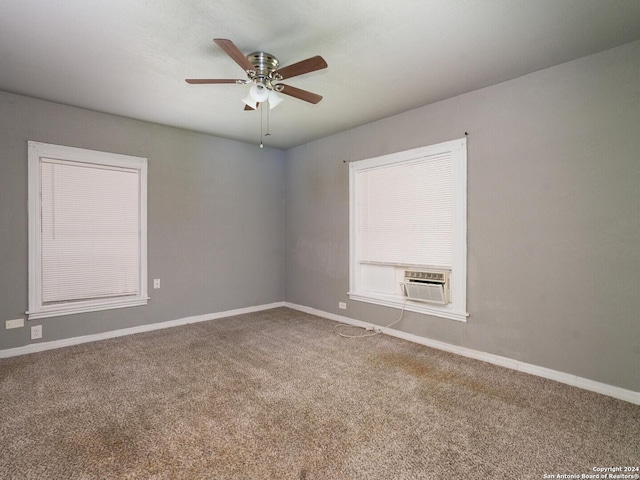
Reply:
x=426 y=286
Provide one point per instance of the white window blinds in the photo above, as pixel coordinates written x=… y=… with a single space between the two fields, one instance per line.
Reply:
x=404 y=212
x=90 y=220
x=87 y=230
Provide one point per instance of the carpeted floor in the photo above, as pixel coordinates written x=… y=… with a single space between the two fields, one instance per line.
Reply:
x=277 y=395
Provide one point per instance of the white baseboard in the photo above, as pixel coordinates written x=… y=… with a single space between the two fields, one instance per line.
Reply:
x=573 y=380
x=584 y=383
x=42 y=346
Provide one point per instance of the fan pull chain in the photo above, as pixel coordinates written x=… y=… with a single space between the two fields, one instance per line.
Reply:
x=268 y=132
x=261 y=115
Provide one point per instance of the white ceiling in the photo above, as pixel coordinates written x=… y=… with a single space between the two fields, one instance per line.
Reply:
x=130 y=57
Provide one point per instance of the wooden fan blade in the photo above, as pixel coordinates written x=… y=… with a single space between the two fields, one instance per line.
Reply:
x=196 y=81
x=236 y=55
x=247 y=108
x=301 y=94
x=305 y=66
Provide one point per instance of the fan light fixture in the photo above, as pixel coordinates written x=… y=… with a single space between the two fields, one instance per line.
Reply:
x=259 y=93
x=274 y=99
x=250 y=102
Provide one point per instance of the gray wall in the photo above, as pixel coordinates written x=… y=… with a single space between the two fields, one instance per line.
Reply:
x=553 y=221
x=215 y=211
x=553 y=226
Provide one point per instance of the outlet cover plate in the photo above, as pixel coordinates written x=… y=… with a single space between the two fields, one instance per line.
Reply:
x=36 y=332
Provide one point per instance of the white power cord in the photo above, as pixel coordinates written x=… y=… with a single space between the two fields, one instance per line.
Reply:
x=376 y=330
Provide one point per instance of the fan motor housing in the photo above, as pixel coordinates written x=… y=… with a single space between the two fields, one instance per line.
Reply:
x=264 y=63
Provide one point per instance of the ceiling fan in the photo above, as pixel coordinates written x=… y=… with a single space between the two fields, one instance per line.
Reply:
x=264 y=74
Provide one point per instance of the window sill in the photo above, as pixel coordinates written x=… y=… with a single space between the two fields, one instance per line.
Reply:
x=396 y=301
x=84 y=307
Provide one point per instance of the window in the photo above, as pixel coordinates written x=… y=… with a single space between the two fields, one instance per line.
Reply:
x=408 y=211
x=87 y=230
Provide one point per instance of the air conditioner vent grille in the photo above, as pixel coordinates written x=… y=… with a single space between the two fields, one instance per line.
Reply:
x=426 y=286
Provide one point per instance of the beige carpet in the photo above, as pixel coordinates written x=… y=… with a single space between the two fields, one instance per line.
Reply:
x=277 y=395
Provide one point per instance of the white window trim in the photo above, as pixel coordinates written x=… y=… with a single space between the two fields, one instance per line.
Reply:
x=454 y=311
x=37 y=150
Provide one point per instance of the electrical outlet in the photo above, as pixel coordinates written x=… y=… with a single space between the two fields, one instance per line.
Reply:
x=17 y=323
x=156 y=283
x=36 y=332
x=342 y=305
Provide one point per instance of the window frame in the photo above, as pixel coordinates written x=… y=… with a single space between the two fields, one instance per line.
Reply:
x=39 y=150
x=457 y=309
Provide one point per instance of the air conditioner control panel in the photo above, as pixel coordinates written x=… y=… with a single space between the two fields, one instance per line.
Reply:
x=426 y=276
